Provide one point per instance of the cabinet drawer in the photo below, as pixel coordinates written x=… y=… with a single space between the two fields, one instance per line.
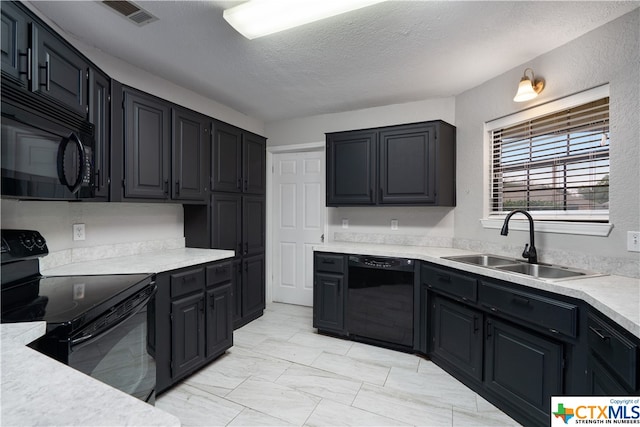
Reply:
x=218 y=273
x=445 y=281
x=186 y=282
x=330 y=262
x=615 y=351
x=556 y=316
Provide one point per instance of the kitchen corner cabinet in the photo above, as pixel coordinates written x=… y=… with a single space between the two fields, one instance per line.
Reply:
x=411 y=164
x=613 y=359
x=514 y=345
x=165 y=150
x=238 y=160
x=192 y=319
x=329 y=292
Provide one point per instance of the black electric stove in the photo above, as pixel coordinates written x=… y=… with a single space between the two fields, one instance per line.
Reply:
x=94 y=322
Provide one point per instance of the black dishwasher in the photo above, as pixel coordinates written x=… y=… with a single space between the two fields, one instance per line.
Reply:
x=380 y=300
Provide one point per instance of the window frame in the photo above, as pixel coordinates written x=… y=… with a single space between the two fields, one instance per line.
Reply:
x=596 y=223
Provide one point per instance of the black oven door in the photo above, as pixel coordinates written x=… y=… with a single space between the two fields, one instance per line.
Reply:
x=115 y=348
x=44 y=159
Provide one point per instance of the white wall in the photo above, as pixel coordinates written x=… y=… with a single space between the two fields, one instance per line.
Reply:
x=609 y=54
x=147 y=82
x=417 y=225
x=105 y=223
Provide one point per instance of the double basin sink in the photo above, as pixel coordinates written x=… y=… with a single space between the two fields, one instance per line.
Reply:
x=539 y=271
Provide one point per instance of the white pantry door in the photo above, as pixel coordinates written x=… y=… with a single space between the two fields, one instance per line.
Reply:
x=298 y=215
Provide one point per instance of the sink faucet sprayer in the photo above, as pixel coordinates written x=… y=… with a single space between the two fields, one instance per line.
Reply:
x=530 y=249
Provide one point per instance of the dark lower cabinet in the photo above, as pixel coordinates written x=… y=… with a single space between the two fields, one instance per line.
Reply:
x=187 y=334
x=457 y=336
x=219 y=319
x=329 y=292
x=252 y=290
x=193 y=319
x=523 y=368
x=614 y=360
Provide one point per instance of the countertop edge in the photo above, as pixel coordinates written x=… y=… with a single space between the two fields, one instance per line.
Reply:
x=590 y=290
x=88 y=402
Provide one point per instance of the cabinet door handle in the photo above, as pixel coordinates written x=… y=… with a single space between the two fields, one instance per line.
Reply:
x=201 y=305
x=212 y=302
x=28 y=72
x=600 y=334
x=489 y=331
x=239 y=184
x=246 y=248
x=47 y=69
x=475 y=324
x=166 y=186
x=177 y=187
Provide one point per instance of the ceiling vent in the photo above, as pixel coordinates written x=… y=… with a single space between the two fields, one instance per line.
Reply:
x=130 y=11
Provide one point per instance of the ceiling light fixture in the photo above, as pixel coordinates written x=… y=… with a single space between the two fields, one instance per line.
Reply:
x=257 y=18
x=528 y=88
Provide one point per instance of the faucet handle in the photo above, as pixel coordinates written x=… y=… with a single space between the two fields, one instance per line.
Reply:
x=525 y=253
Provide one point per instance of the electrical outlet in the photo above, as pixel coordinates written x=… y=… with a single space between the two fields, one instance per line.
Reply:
x=633 y=241
x=78 y=232
x=394 y=224
x=345 y=223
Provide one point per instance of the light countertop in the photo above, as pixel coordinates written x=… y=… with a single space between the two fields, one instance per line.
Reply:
x=148 y=262
x=617 y=297
x=44 y=391
x=39 y=390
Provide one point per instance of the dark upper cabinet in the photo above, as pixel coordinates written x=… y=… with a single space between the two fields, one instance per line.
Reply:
x=238 y=160
x=254 y=163
x=59 y=71
x=100 y=116
x=16 y=52
x=351 y=168
x=411 y=164
x=190 y=139
x=407 y=165
x=146 y=146
x=226 y=158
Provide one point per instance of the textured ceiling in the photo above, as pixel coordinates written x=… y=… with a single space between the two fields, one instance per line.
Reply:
x=389 y=53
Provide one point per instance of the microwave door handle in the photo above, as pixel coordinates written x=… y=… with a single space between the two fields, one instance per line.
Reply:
x=73 y=137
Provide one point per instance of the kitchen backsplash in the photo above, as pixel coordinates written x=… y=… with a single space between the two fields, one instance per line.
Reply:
x=596 y=263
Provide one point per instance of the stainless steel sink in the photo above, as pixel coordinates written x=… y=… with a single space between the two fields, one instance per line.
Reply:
x=485 y=260
x=541 y=271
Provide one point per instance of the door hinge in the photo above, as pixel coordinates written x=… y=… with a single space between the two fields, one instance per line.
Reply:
x=124 y=183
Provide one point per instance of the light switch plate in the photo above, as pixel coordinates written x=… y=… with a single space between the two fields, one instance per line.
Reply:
x=78 y=232
x=633 y=241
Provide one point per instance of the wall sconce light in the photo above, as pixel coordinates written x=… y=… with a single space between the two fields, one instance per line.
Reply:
x=528 y=88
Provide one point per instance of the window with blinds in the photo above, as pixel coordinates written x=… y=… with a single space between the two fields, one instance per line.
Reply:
x=555 y=165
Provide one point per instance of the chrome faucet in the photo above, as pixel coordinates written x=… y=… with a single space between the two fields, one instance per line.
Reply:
x=529 y=252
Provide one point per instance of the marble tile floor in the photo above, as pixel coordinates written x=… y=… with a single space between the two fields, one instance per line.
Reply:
x=280 y=372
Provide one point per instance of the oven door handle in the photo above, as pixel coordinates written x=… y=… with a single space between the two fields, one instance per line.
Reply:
x=82 y=166
x=77 y=343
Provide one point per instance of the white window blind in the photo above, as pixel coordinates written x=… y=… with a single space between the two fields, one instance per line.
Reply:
x=555 y=165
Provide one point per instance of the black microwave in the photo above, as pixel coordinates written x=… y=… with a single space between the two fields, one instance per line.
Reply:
x=47 y=152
